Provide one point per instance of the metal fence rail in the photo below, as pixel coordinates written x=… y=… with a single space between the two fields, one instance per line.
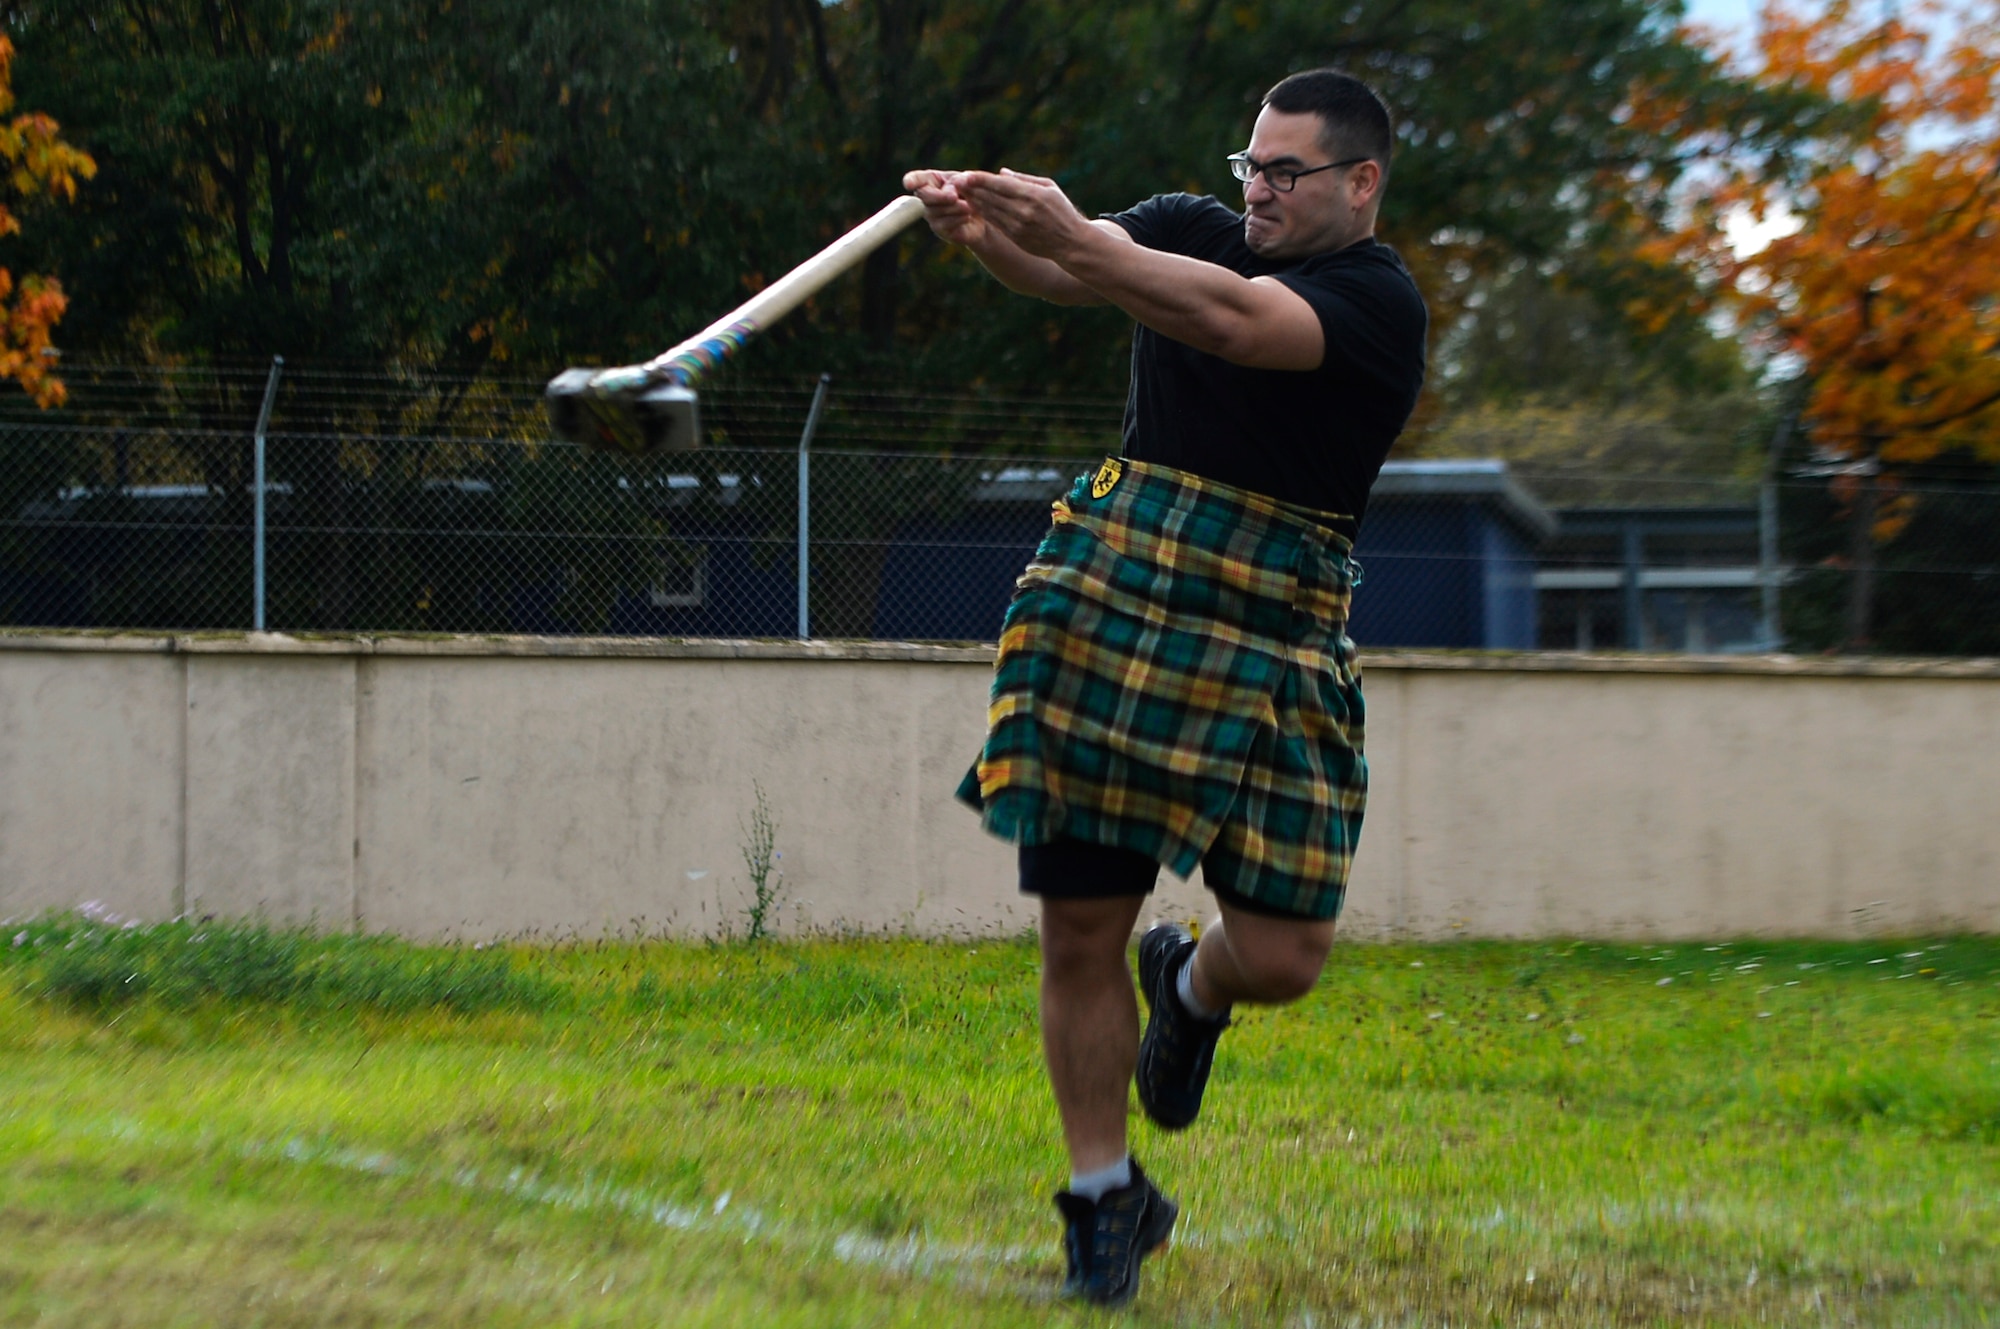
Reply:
x=126 y=528
x=156 y=526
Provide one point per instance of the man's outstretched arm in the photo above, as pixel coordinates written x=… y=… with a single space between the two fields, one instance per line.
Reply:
x=1259 y=322
x=955 y=220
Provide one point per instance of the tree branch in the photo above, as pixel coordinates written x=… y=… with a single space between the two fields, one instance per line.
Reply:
x=217 y=41
x=235 y=186
x=149 y=32
x=284 y=197
x=1198 y=40
x=772 y=81
x=1953 y=417
x=243 y=27
x=467 y=369
x=822 y=61
x=972 y=88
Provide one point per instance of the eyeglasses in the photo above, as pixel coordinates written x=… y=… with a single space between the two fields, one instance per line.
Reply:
x=1281 y=178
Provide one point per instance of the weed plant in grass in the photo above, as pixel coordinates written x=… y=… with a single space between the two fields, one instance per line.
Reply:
x=858 y=1133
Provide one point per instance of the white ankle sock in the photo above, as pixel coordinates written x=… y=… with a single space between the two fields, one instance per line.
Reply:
x=1092 y=1186
x=1184 y=986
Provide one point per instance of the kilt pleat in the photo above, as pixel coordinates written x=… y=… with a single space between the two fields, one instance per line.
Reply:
x=1174 y=678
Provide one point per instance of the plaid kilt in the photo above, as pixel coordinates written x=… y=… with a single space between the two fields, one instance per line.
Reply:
x=1175 y=678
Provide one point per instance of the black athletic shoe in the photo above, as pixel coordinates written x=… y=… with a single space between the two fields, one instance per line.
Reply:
x=1104 y=1240
x=1178 y=1049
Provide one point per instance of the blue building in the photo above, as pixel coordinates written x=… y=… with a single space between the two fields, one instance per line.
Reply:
x=1455 y=554
x=1690 y=578
x=1448 y=558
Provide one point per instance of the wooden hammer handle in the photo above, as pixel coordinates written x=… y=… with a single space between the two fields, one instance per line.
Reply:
x=691 y=359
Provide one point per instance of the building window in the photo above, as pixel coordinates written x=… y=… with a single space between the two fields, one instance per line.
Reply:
x=682 y=582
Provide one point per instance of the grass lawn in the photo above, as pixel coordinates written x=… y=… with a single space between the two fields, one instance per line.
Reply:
x=231 y=1127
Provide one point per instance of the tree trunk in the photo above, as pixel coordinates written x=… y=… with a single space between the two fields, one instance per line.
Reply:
x=878 y=296
x=1861 y=562
x=899 y=29
x=847 y=583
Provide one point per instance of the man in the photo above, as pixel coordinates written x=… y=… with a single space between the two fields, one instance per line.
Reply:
x=1175 y=684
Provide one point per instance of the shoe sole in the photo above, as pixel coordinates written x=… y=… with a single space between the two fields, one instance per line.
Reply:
x=1154 y=986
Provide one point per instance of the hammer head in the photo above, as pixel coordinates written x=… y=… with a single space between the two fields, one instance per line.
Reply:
x=625 y=412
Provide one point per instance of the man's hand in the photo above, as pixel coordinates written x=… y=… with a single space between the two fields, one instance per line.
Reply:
x=1031 y=210
x=960 y=217
x=1059 y=254
x=951 y=217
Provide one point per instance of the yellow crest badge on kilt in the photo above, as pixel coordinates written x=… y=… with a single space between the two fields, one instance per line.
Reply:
x=1106 y=478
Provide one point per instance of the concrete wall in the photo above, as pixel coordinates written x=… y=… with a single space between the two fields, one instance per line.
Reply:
x=488 y=787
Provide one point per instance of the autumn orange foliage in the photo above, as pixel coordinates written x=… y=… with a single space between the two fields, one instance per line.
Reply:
x=1889 y=291
x=36 y=162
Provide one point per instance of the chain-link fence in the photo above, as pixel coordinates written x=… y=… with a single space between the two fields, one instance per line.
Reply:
x=145 y=523
x=413 y=535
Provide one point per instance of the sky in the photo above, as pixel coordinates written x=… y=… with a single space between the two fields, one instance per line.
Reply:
x=1736 y=15
x=1746 y=234
x=1738 y=19
x=1721 y=13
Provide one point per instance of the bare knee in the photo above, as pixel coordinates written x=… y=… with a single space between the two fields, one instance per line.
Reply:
x=1284 y=975
x=1086 y=936
x=1278 y=960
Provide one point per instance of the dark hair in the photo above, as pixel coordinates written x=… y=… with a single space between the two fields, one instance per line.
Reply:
x=1353 y=118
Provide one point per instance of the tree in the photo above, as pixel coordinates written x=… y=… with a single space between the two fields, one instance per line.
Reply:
x=440 y=185
x=439 y=191
x=425 y=187
x=37 y=162
x=1588 y=408
x=1541 y=156
x=420 y=189
x=1887 y=296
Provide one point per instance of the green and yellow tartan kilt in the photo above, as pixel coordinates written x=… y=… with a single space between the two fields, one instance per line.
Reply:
x=1175 y=678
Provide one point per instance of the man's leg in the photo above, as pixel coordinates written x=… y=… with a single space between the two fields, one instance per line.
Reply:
x=1244 y=956
x=1090 y=1022
x=1262 y=958
x=1114 y=1215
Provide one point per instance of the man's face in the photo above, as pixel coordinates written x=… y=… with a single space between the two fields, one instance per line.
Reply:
x=1325 y=211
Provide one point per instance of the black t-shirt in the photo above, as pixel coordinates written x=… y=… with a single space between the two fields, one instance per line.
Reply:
x=1316 y=438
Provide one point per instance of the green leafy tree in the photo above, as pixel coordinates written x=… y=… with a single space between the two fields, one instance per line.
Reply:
x=1545 y=132
x=447 y=194
x=399 y=185
x=413 y=188
x=1587 y=408
x=444 y=186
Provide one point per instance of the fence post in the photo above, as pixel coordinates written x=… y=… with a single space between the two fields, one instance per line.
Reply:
x=805 y=490
x=1634 y=588
x=257 y=497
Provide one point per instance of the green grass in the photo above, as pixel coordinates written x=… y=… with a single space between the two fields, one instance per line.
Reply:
x=339 y=1131
x=89 y=964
